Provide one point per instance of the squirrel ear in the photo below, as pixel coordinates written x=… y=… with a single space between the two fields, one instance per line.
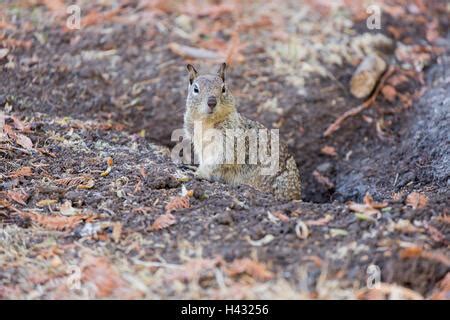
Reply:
x=192 y=73
x=221 y=71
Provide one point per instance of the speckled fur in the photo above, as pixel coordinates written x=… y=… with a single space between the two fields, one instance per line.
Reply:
x=284 y=184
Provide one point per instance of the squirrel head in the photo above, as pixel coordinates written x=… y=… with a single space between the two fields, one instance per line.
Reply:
x=208 y=95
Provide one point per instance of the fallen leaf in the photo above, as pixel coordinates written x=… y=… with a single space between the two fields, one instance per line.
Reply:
x=397 y=79
x=369 y=207
x=435 y=234
x=109 y=162
x=329 y=151
x=319 y=222
x=163 y=221
x=416 y=200
x=390 y=292
x=281 y=216
x=419 y=252
x=89 y=184
x=100 y=273
x=180 y=202
x=442 y=290
x=389 y=93
x=405 y=226
x=323 y=180
x=54 y=222
x=255 y=269
x=22 y=172
x=73 y=181
x=17 y=196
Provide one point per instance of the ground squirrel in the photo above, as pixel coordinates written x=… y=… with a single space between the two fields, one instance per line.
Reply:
x=210 y=105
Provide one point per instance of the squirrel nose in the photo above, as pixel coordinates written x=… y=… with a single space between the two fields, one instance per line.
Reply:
x=212 y=102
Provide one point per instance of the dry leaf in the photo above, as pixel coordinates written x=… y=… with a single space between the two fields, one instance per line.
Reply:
x=163 y=221
x=369 y=207
x=54 y=222
x=416 y=200
x=255 y=269
x=403 y=225
x=442 y=292
x=181 y=202
x=419 y=252
x=109 y=162
x=329 y=151
x=72 y=181
x=319 y=222
x=89 y=184
x=18 y=196
x=323 y=180
x=435 y=234
x=368 y=200
x=389 y=93
x=100 y=273
x=281 y=216
x=390 y=292
x=22 y=172
x=397 y=79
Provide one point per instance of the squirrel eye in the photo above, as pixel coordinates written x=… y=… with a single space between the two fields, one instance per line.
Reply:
x=223 y=89
x=196 y=90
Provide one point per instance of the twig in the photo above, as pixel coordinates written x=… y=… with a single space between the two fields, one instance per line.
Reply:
x=354 y=111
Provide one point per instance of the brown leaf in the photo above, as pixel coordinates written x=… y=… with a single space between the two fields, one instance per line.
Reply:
x=281 y=216
x=419 y=252
x=22 y=172
x=55 y=222
x=416 y=200
x=163 y=221
x=442 y=292
x=397 y=79
x=319 y=222
x=73 y=181
x=323 y=180
x=179 y=202
x=329 y=151
x=368 y=200
x=389 y=93
x=435 y=234
x=18 y=196
x=253 y=268
x=100 y=273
